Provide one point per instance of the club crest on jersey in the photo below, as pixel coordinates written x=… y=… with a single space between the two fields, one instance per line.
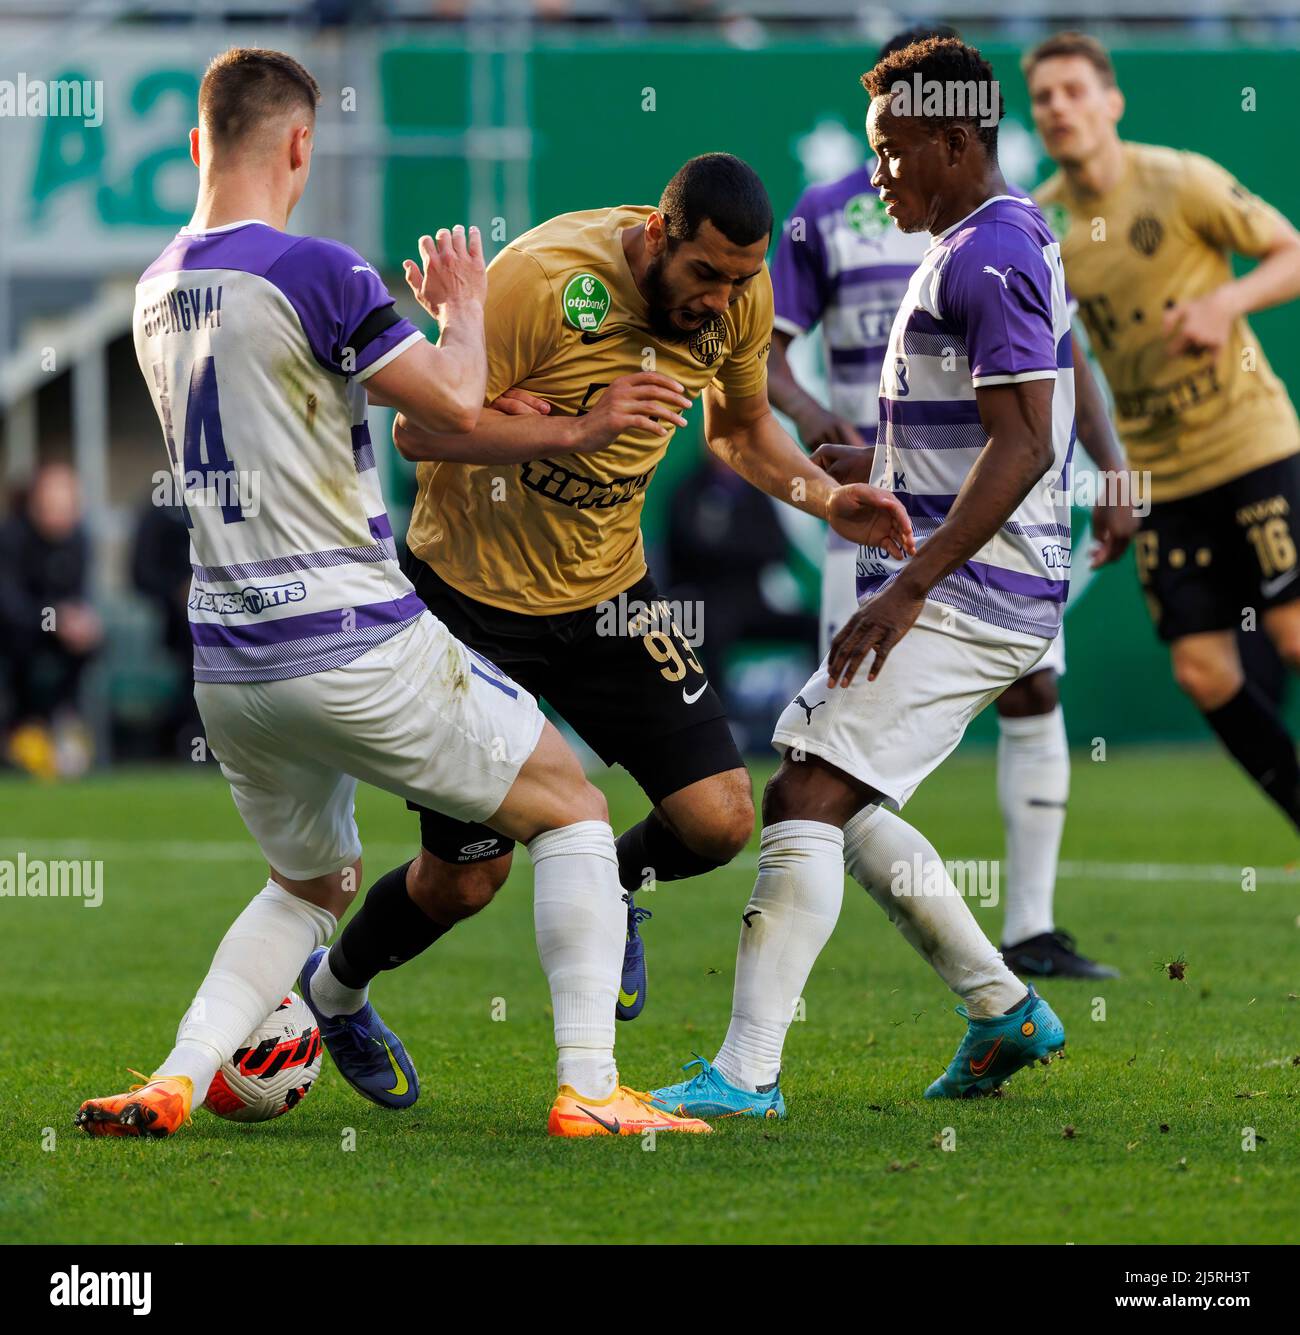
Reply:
x=865 y=214
x=585 y=302
x=1146 y=234
x=707 y=341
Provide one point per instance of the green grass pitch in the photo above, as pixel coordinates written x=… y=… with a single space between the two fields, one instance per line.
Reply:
x=1137 y=1136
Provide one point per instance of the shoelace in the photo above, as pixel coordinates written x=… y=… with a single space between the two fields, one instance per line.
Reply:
x=1065 y=940
x=359 y=1036
x=152 y=1080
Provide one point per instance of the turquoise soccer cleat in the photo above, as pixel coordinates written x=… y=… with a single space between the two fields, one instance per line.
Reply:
x=707 y=1094
x=994 y=1050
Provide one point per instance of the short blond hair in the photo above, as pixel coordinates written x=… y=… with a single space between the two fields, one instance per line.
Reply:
x=1071 y=44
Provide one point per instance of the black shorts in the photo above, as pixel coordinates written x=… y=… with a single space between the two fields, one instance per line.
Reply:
x=636 y=693
x=1204 y=560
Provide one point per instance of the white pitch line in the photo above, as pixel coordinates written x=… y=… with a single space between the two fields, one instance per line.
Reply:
x=239 y=850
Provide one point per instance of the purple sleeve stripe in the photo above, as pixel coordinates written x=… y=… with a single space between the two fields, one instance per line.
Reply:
x=308 y=626
x=929 y=412
x=1064 y=351
x=380 y=527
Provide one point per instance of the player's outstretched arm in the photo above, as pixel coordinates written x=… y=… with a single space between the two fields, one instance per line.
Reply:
x=645 y=401
x=744 y=433
x=441 y=386
x=1018 y=419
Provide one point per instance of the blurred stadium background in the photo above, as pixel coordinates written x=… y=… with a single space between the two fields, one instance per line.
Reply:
x=503 y=114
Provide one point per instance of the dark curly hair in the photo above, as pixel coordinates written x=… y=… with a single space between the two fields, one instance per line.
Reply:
x=947 y=61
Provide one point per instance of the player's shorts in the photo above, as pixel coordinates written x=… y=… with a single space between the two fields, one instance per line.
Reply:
x=1204 y=559
x=631 y=687
x=419 y=715
x=893 y=732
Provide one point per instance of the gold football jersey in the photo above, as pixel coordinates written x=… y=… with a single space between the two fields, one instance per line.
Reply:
x=1166 y=233
x=565 y=318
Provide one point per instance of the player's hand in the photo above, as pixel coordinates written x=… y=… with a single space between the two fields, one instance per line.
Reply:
x=822 y=427
x=1113 y=527
x=1200 y=325
x=520 y=403
x=871 y=517
x=845 y=463
x=645 y=401
x=453 y=273
x=877 y=625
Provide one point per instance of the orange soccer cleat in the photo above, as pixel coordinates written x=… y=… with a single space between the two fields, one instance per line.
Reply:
x=626 y=1112
x=156 y=1108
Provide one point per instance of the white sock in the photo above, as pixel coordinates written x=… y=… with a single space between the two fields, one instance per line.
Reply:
x=789 y=918
x=581 y=923
x=332 y=997
x=1033 y=785
x=941 y=928
x=254 y=967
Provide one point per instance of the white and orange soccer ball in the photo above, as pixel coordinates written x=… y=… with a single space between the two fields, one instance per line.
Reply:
x=272 y=1069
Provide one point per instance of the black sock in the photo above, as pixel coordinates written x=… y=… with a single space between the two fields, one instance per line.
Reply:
x=652 y=847
x=389 y=929
x=1255 y=736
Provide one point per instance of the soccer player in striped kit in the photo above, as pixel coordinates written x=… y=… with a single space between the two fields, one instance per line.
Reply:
x=976 y=436
x=843 y=265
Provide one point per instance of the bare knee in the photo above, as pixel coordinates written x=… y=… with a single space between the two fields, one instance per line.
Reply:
x=713 y=817
x=450 y=891
x=1206 y=674
x=1030 y=696
x=810 y=789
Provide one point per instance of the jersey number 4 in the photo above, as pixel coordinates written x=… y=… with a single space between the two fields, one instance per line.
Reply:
x=206 y=467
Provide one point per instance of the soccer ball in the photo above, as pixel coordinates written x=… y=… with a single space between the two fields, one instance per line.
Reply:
x=272 y=1069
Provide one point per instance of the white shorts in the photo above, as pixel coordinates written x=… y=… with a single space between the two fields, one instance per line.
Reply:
x=419 y=715
x=892 y=732
x=1054 y=658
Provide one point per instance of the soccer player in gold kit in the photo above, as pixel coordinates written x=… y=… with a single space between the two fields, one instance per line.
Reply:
x=1147 y=236
x=602 y=328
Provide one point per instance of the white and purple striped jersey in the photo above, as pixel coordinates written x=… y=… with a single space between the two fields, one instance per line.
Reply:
x=254 y=345
x=842 y=263
x=986 y=306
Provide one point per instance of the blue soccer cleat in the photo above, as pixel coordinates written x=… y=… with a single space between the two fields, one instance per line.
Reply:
x=631 y=989
x=369 y=1056
x=708 y=1094
x=993 y=1050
